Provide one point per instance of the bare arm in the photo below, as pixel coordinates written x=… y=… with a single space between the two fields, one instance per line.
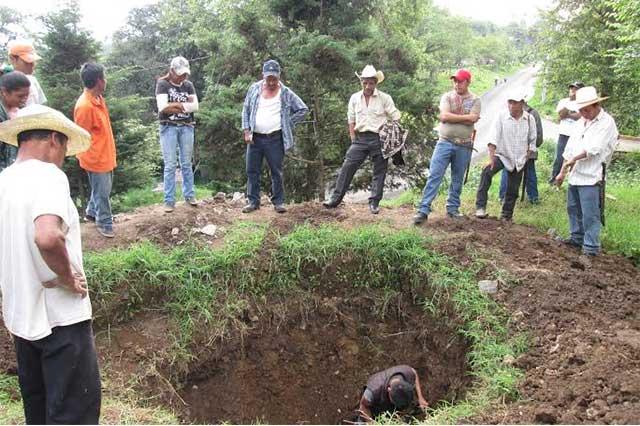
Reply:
x=449 y=117
x=492 y=155
x=421 y=401
x=50 y=241
x=352 y=131
x=364 y=409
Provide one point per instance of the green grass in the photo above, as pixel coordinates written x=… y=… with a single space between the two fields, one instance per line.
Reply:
x=139 y=197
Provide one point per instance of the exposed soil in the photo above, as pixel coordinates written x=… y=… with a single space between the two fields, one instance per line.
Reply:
x=583 y=365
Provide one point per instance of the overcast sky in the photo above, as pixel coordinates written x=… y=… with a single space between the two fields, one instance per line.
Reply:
x=104 y=18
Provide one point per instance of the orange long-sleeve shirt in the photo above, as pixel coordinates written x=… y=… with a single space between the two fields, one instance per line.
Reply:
x=91 y=113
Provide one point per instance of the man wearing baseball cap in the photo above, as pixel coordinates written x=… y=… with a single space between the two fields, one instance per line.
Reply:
x=46 y=305
x=568 y=115
x=23 y=58
x=588 y=152
x=459 y=111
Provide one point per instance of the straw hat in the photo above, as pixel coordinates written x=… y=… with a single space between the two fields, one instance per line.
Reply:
x=587 y=96
x=40 y=117
x=370 y=72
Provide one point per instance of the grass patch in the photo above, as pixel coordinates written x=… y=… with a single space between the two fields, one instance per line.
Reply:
x=139 y=197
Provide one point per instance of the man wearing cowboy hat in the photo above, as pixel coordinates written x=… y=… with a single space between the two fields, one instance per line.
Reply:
x=368 y=110
x=513 y=141
x=23 y=58
x=590 y=146
x=45 y=297
x=459 y=111
x=568 y=115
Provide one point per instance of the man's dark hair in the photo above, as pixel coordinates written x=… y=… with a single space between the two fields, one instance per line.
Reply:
x=401 y=392
x=90 y=74
x=40 y=134
x=14 y=80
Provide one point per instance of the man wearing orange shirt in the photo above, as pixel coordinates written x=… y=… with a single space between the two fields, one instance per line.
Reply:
x=92 y=114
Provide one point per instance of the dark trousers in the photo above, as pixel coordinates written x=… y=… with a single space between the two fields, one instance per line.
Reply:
x=366 y=144
x=531 y=185
x=270 y=147
x=557 y=163
x=59 y=377
x=513 y=183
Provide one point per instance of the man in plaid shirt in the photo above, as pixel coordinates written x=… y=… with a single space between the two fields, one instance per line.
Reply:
x=514 y=138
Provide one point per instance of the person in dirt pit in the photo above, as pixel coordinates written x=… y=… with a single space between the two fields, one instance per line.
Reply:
x=44 y=289
x=513 y=142
x=270 y=113
x=588 y=152
x=369 y=109
x=394 y=389
x=459 y=111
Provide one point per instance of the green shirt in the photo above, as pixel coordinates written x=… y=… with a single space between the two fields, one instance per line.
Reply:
x=8 y=152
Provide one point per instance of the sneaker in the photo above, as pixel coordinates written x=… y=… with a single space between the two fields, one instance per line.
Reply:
x=89 y=218
x=250 y=208
x=108 y=233
x=280 y=208
x=420 y=217
x=168 y=208
x=569 y=242
x=481 y=213
x=374 y=208
x=456 y=215
x=192 y=201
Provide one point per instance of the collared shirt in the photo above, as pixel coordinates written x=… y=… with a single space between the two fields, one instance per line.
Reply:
x=36 y=95
x=566 y=124
x=292 y=111
x=513 y=138
x=91 y=113
x=454 y=103
x=369 y=118
x=598 y=138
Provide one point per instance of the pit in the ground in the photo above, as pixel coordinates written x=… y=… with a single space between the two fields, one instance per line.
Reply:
x=311 y=367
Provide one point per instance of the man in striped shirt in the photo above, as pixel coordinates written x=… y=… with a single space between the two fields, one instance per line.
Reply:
x=514 y=138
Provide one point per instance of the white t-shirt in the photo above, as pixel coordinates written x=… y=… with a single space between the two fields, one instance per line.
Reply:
x=28 y=190
x=36 y=95
x=268 y=115
x=566 y=125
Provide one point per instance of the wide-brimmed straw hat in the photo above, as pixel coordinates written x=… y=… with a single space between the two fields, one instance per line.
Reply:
x=587 y=96
x=40 y=117
x=370 y=72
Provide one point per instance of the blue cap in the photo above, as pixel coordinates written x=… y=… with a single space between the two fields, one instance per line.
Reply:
x=271 y=67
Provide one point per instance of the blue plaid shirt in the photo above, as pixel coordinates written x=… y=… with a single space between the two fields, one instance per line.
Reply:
x=292 y=112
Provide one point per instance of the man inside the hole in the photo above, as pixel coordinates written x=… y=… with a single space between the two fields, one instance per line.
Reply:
x=394 y=389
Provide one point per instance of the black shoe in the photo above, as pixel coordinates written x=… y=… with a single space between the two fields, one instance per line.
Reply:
x=569 y=242
x=456 y=215
x=419 y=218
x=280 y=208
x=331 y=204
x=249 y=208
x=89 y=218
x=374 y=208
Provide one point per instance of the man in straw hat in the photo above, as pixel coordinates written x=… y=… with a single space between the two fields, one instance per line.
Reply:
x=588 y=152
x=368 y=110
x=45 y=297
x=459 y=111
x=512 y=143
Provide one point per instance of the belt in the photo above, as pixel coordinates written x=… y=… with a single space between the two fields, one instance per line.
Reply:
x=275 y=133
x=175 y=124
x=367 y=133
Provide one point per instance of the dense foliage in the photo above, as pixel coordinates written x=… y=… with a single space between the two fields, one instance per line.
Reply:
x=319 y=43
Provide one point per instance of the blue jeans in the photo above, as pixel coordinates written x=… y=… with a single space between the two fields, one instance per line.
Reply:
x=444 y=154
x=172 y=140
x=583 y=207
x=531 y=185
x=270 y=147
x=99 y=205
x=557 y=163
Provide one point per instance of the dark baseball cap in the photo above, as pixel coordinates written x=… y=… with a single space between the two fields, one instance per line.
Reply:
x=271 y=67
x=577 y=85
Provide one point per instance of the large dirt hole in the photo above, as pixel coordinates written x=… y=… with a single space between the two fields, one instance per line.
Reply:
x=306 y=361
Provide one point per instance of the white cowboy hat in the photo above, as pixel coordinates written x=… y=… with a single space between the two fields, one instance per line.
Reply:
x=40 y=117
x=587 y=96
x=370 y=72
x=518 y=94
